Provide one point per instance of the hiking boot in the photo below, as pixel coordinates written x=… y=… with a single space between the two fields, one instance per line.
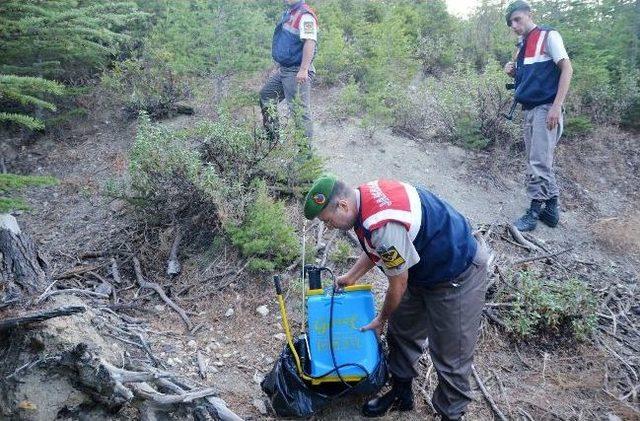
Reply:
x=399 y=398
x=550 y=215
x=529 y=220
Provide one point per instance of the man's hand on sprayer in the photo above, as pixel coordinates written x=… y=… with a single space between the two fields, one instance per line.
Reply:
x=345 y=281
x=376 y=324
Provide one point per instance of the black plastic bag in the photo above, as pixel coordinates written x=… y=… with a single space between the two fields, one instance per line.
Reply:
x=293 y=397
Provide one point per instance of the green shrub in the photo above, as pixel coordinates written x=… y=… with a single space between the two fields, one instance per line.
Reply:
x=341 y=253
x=375 y=56
x=11 y=183
x=203 y=37
x=463 y=106
x=577 y=126
x=545 y=307
x=631 y=116
x=150 y=86
x=265 y=236
x=220 y=174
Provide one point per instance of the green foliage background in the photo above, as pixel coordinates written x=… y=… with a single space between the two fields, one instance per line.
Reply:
x=406 y=64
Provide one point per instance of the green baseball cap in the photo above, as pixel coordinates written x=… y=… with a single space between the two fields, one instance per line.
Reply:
x=513 y=7
x=319 y=195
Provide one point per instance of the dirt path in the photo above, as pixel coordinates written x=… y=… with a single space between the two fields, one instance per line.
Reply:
x=445 y=169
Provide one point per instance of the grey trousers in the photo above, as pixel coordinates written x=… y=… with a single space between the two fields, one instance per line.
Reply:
x=540 y=144
x=449 y=316
x=282 y=85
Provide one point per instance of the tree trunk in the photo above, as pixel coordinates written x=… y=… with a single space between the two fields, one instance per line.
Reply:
x=23 y=271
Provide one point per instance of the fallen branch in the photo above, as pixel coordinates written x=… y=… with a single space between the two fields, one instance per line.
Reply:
x=71 y=291
x=202 y=365
x=213 y=403
x=494 y=318
x=487 y=396
x=115 y=273
x=93 y=254
x=520 y=239
x=158 y=289
x=113 y=386
x=9 y=302
x=144 y=391
x=39 y=317
x=352 y=237
x=622 y=360
x=78 y=271
x=544 y=256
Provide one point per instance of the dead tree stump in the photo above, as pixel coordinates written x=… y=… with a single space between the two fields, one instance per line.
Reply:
x=23 y=271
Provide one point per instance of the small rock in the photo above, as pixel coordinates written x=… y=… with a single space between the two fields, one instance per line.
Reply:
x=269 y=360
x=613 y=417
x=213 y=369
x=117 y=205
x=280 y=336
x=257 y=377
x=218 y=363
x=177 y=360
x=32 y=406
x=159 y=307
x=227 y=355
x=262 y=310
x=104 y=288
x=229 y=313
x=260 y=406
x=192 y=344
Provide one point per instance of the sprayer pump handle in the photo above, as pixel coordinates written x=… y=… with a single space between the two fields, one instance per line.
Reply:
x=276 y=281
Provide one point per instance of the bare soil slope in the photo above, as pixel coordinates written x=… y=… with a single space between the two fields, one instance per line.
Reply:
x=238 y=345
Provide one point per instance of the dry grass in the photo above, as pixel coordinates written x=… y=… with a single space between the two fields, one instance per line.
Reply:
x=620 y=234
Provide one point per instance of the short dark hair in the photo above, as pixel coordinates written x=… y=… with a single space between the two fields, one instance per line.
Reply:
x=514 y=7
x=340 y=191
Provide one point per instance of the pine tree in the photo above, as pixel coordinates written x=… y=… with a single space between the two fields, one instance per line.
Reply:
x=23 y=91
x=61 y=40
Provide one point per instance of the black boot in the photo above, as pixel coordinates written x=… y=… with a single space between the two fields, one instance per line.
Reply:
x=529 y=220
x=550 y=215
x=399 y=398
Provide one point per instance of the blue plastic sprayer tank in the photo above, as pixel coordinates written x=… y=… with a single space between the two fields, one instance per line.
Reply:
x=352 y=309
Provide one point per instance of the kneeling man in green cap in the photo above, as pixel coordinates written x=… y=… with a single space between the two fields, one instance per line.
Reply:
x=437 y=282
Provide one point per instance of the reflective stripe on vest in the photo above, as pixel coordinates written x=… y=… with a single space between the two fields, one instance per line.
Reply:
x=537 y=76
x=384 y=201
